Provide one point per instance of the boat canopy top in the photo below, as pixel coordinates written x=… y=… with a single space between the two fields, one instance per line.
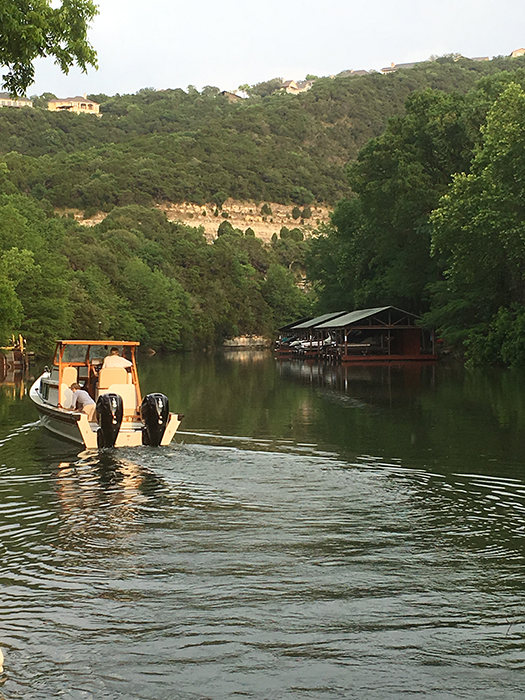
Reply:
x=111 y=343
x=88 y=351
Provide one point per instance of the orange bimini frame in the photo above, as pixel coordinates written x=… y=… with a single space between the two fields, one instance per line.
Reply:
x=87 y=362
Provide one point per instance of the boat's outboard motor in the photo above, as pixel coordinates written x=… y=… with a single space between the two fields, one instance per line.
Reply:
x=109 y=417
x=155 y=413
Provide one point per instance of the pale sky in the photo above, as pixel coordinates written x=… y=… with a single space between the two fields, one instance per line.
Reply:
x=169 y=44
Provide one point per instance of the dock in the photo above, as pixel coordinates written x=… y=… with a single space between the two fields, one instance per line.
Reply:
x=381 y=334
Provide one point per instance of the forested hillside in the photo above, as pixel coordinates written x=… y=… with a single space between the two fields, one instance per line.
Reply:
x=198 y=147
x=143 y=277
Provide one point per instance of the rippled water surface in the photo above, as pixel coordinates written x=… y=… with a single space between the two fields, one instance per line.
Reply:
x=312 y=532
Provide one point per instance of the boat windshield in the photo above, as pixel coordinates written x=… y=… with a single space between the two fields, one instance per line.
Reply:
x=75 y=353
x=84 y=352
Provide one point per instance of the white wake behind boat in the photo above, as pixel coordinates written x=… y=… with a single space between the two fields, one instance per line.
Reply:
x=121 y=417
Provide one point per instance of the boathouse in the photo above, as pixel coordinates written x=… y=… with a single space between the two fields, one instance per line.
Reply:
x=302 y=336
x=385 y=333
x=287 y=336
x=307 y=330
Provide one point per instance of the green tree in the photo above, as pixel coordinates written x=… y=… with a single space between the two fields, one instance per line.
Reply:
x=284 y=297
x=33 y=28
x=381 y=238
x=160 y=305
x=262 y=89
x=225 y=228
x=11 y=311
x=479 y=230
x=219 y=198
x=41 y=101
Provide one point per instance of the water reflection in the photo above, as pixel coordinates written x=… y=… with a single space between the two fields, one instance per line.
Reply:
x=95 y=482
x=384 y=381
x=439 y=416
x=247 y=356
x=313 y=532
x=12 y=374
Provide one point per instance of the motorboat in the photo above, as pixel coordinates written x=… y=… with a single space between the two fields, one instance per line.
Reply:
x=121 y=417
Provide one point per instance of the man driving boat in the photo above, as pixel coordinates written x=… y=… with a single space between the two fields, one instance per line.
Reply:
x=115 y=360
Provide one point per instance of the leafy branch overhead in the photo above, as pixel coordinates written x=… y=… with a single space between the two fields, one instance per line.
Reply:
x=30 y=29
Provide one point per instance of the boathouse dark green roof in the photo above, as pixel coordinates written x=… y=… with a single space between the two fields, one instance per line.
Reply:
x=385 y=316
x=314 y=322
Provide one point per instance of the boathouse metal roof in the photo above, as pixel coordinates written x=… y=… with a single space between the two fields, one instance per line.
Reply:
x=314 y=322
x=354 y=316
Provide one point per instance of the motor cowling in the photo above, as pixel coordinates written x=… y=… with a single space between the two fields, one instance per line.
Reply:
x=155 y=413
x=109 y=412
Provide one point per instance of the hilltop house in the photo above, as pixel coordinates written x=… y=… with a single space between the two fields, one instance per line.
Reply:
x=349 y=73
x=231 y=96
x=396 y=66
x=7 y=101
x=517 y=52
x=290 y=86
x=294 y=88
x=79 y=105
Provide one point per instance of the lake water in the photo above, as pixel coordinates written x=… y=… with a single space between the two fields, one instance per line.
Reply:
x=312 y=533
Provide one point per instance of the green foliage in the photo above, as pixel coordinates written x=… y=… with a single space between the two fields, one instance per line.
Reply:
x=296 y=213
x=294 y=234
x=437 y=223
x=479 y=230
x=194 y=146
x=41 y=101
x=381 y=239
x=225 y=228
x=33 y=29
x=262 y=89
x=301 y=196
x=266 y=210
x=290 y=250
x=430 y=219
x=137 y=274
x=219 y=198
x=10 y=307
x=281 y=293
x=503 y=342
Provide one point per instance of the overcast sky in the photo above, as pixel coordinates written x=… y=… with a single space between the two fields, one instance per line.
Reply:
x=169 y=44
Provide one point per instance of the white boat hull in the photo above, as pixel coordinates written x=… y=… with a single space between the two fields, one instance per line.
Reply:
x=75 y=426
